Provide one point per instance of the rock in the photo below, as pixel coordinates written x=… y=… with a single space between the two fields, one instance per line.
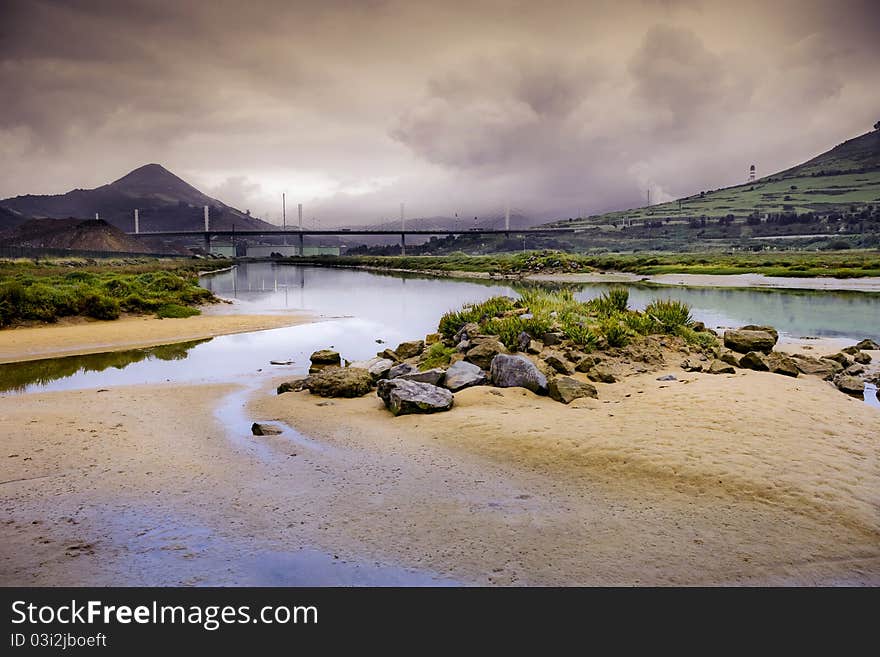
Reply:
x=340 y=382
x=432 y=338
x=404 y=397
x=840 y=358
x=816 y=366
x=780 y=363
x=558 y=362
x=433 y=376
x=482 y=354
x=587 y=363
x=766 y=329
x=280 y=362
x=377 y=367
x=566 y=389
x=862 y=358
x=516 y=372
x=324 y=358
x=729 y=357
x=720 y=367
x=264 y=429
x=389 y=354
x=552 y=337
x=854 y=370
x=535 y=347
x=868 y=345
x=462 y=375
x=294 y=385
x=744 y=341
x=463 y=346
x=410 y=349
x=699 y=327
x=601 y=374
x=754 y=360
x=667 y=377
x=400 y=370
x=852 y=351
x=691 y=365
x=523 y=340
x=466 y=332
x=851 y=385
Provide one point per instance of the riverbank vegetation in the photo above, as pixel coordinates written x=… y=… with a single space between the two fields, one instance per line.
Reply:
x=605 y=321
x=808 y=264
x=47 y=291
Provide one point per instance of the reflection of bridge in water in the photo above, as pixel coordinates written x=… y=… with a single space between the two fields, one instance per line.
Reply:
x=207 y=235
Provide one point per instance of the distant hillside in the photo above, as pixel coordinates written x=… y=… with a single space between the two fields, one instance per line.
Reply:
x=493 y=221
x=10 y=218
x=845 y=176
x=89 y=235
x=164 y=201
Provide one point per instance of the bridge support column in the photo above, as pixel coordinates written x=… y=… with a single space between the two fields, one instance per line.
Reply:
x=207 y=243
x=403 y=244
x=302 y=242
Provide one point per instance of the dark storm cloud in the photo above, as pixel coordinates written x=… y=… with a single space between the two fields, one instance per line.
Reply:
x=354 y=106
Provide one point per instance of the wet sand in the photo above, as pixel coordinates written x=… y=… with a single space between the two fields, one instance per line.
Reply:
x=93 y=336
x=751 y=478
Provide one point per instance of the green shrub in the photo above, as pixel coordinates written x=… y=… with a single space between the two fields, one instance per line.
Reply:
x=100 y=307
x=613 y=301
x=702 y=339
x=639 y=323
x=583 y=336
x=173 y=310
x=615 y=332
x=506 y=328
x=669 y=314
x=437 y=355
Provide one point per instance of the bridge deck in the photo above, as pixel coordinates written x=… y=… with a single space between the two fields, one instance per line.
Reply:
x=239 y=233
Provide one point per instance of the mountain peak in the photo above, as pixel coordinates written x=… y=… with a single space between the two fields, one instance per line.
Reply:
x=155 y=181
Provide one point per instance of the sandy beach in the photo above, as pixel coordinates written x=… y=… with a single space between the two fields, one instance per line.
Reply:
x=93 y=336
x=751 y=478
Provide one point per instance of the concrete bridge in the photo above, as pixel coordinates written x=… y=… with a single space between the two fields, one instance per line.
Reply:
x=206 y=235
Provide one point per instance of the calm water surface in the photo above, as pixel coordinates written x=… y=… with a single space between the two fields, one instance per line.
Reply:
x=360 y=308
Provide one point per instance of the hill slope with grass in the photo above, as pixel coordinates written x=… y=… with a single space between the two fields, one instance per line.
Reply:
x=164 y=201
x=847 y=175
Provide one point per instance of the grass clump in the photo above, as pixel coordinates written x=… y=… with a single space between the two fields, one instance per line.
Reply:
x=669 y=314
x=175 y=310
x=437 y=355
x=611 y=302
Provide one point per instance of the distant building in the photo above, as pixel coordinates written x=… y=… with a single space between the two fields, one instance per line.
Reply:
x=752 y=173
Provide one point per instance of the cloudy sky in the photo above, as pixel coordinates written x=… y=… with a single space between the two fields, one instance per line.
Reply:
x=352 y=106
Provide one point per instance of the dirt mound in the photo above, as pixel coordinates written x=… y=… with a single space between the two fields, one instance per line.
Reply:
x=90 y=235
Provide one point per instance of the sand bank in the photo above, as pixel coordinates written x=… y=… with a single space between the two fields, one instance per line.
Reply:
x=88 y=337
x=751 y=478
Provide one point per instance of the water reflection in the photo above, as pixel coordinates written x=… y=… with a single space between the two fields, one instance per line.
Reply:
x=18 y=377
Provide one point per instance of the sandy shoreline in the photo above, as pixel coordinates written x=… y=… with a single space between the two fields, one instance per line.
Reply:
x=750 y=478
x=32 y=343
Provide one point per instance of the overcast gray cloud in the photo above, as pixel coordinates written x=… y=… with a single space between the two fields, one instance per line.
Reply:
x=354 y=106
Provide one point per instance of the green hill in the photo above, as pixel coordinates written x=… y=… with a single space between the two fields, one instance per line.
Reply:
x=847 y=175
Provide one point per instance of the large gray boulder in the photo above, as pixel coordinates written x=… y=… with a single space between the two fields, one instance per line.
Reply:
x=377 y=367
x=339 y=382
x=516 y=372
x=404 y=397
x=746 y=340
x=400 y=370
x=433 y=376
x=482 y=353
x=851 y=385
x=462 y=375
x=566 y=389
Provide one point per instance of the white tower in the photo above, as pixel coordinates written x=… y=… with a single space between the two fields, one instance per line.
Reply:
x=402 y=218
x=206 y=219
x=752 y=173
x=137 y=227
